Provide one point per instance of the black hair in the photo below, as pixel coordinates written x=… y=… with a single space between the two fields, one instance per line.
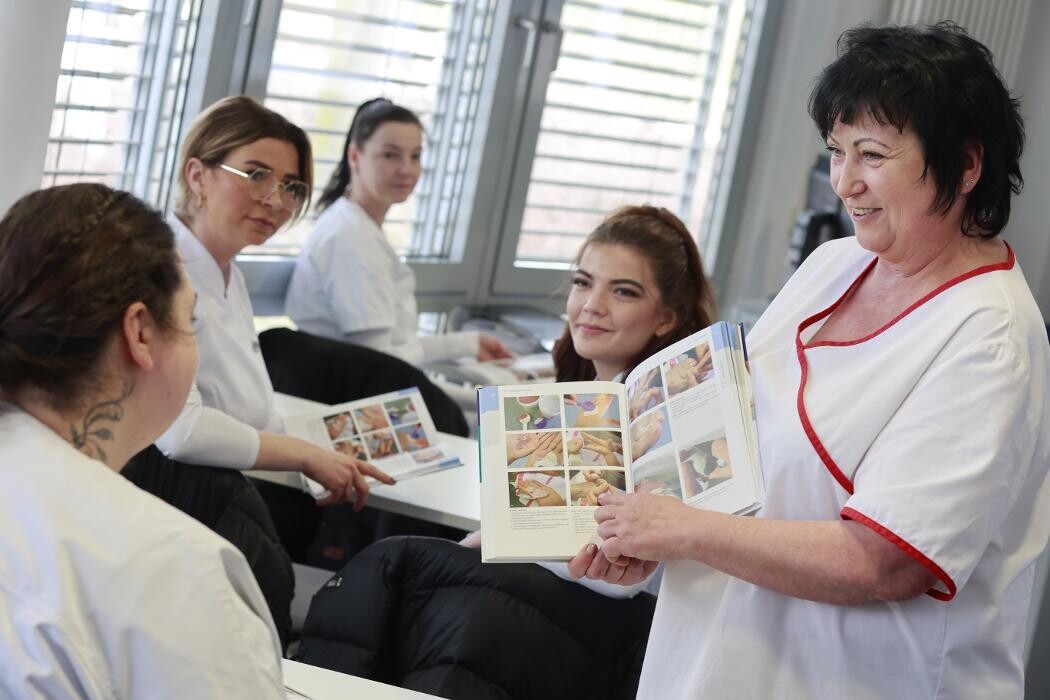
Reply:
x=942 y=84
x=369 y=116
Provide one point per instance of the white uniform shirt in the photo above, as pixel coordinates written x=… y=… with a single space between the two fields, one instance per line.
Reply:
x=350 y=285
x=108 y=592
x=232 y=399
x=934 y=433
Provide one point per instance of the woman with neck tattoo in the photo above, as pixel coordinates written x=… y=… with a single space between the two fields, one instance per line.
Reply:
x=106 y=591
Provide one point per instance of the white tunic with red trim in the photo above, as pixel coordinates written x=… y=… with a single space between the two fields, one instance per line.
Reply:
x=935 y=433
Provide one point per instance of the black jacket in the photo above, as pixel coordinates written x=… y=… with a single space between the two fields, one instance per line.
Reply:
x=425 y=614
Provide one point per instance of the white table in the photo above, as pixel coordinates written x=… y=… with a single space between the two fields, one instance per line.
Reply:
x=321 y=684
x=449 y=497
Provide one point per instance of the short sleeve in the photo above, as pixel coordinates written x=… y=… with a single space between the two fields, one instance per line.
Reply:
x=941 y=478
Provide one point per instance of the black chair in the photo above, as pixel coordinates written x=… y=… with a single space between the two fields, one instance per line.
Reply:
x=329 y=371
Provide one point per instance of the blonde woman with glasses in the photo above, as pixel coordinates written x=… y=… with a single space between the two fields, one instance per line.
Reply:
x=245 y=172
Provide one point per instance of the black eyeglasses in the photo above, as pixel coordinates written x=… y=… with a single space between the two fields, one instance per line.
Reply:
x=262 y=182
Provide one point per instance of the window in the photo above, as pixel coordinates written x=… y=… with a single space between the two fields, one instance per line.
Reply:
x=427 y=55
x=635 y=112
x=541 y=116
x=120 y=93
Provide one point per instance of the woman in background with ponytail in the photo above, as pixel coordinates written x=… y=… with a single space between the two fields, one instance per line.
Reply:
x=349 y=283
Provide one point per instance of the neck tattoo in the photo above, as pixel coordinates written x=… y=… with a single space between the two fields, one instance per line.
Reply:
x=94 y=429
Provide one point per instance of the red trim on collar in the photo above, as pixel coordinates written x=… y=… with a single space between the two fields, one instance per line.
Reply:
x=850 y=514
x=800 y=349
x=1005 y=265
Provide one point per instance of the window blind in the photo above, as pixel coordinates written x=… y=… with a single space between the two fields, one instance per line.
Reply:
x=119 y=95
x=426 y=55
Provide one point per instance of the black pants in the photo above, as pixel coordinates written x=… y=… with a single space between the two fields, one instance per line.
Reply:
x=224 y=501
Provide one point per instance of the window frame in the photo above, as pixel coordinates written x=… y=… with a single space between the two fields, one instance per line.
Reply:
x=233 y=55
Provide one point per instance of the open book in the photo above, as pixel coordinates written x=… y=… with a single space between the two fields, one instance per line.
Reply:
x=682 y=424
x=392 y=431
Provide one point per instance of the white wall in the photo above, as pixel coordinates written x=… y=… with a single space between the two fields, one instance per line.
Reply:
x=788 y=144
x=30 y=54
x=1029 y=228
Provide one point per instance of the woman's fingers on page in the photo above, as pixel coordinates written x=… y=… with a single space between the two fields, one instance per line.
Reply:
x=604 y=513
x=612 y=552
x=375 y=472
x=579 y=564
x=599 y=565
x=607 y=529
x=359 y=485
x=634 y=572
x=612 y=498
x=616 y=569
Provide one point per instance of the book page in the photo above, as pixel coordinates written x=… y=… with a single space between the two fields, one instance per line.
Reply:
x=392 y=431
x=547 y=452
x=691 y=430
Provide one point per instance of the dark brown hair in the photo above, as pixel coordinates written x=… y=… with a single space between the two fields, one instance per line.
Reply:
x=72 y=259
x=233 y=122
x=666 y=244
x=369 y=116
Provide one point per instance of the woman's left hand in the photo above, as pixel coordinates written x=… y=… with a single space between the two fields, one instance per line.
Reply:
x=642 y=526
x=592 y=563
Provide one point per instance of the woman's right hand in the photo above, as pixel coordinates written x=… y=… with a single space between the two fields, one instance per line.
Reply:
x=341 y=475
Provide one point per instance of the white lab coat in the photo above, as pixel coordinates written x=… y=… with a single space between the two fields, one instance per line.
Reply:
x=934 y=433
x=350 y=285
x=108 y=592
x=232 y=398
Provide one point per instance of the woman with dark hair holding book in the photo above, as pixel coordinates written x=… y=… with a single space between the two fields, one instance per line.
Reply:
x=900 y=381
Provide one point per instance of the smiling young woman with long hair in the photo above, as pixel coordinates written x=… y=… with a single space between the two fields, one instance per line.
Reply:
x=638 y=286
